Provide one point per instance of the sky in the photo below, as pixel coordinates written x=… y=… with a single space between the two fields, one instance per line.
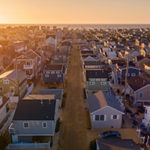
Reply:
x=75 y=11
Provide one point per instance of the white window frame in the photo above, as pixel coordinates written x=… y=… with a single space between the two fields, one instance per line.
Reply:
x=43 y=124
x=46 y=75
x=24 y=126
x=98 y=79
x=92 y=82
x=47 y=72
x=104 y=117
x=133 y=74
x=103 y=83
x=58 y=75
x=52 y=72
x=117 y=117
x=5 y=81
x=57 y=72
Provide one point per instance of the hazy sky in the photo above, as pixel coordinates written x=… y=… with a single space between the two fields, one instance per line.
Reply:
x=75 y=11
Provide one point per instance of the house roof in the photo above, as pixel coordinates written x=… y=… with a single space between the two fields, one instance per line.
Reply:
x=113 y=143
x=96 y=74
x=102 y=99
x=29 y=54
x=137 y=82
x=57 y=92
x=39 y=97
x=86 y=52
x=12 y=74
x=4 y=100
x=92 y=63
x=53 y=67
x=120 y=62
x=35 y=110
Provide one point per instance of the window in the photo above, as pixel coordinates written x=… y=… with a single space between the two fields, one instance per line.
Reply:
x=103 y=83
x=44 y=124
x=102 y=117
x=46 y=76
x=92 y=82
x=6 y=81
x=47 y=72
x=114 y=117
x=52 y=72
x=128 y=74
x=59 y=75
x=96 y=117
x=97 y=79
x=26 y=125
x=141 y=95
x=133 y=74
x=57 y=72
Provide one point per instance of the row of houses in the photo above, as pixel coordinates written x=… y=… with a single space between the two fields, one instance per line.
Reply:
x=36 y=114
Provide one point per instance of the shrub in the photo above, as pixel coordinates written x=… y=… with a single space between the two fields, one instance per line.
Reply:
x=57 y=125
x=93 y=145
x=3 y=141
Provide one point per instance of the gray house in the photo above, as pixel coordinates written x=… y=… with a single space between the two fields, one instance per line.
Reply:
x=54 y=74
x=105 y=110
x=34 y=118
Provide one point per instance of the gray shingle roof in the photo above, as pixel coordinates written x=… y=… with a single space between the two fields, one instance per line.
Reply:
x=35 y=110
x=96 y=74
x=95 y=103
x=57 y=92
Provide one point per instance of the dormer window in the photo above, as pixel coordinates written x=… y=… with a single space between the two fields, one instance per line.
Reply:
x=6 y=81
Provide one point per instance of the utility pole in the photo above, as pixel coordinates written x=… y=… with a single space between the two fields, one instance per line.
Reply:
x=17 y=79
x=126 y=77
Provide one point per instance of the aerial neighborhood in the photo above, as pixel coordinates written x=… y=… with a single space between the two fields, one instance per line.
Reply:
x=60 y=84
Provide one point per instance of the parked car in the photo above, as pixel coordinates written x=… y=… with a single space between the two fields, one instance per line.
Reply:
x=109 y=134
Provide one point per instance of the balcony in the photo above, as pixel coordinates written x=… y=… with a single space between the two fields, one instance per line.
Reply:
x=11 y=129
x=28 y=66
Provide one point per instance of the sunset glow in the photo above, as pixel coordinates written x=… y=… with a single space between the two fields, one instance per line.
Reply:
x=75 y=11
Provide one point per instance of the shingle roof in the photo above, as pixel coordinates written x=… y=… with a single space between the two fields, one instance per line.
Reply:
x=102 y=99
x=53 y=67
x=57 y=92
x=12 y=74
x=92 y=63
x=35 y=110
x=137 y=82
x=96 y=74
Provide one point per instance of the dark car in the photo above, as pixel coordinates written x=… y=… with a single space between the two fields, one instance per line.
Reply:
x=109 y=134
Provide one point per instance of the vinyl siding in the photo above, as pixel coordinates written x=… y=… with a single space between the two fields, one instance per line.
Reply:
x=108 y=123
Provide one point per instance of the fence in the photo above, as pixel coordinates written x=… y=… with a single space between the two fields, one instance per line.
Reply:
x=29 y=146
